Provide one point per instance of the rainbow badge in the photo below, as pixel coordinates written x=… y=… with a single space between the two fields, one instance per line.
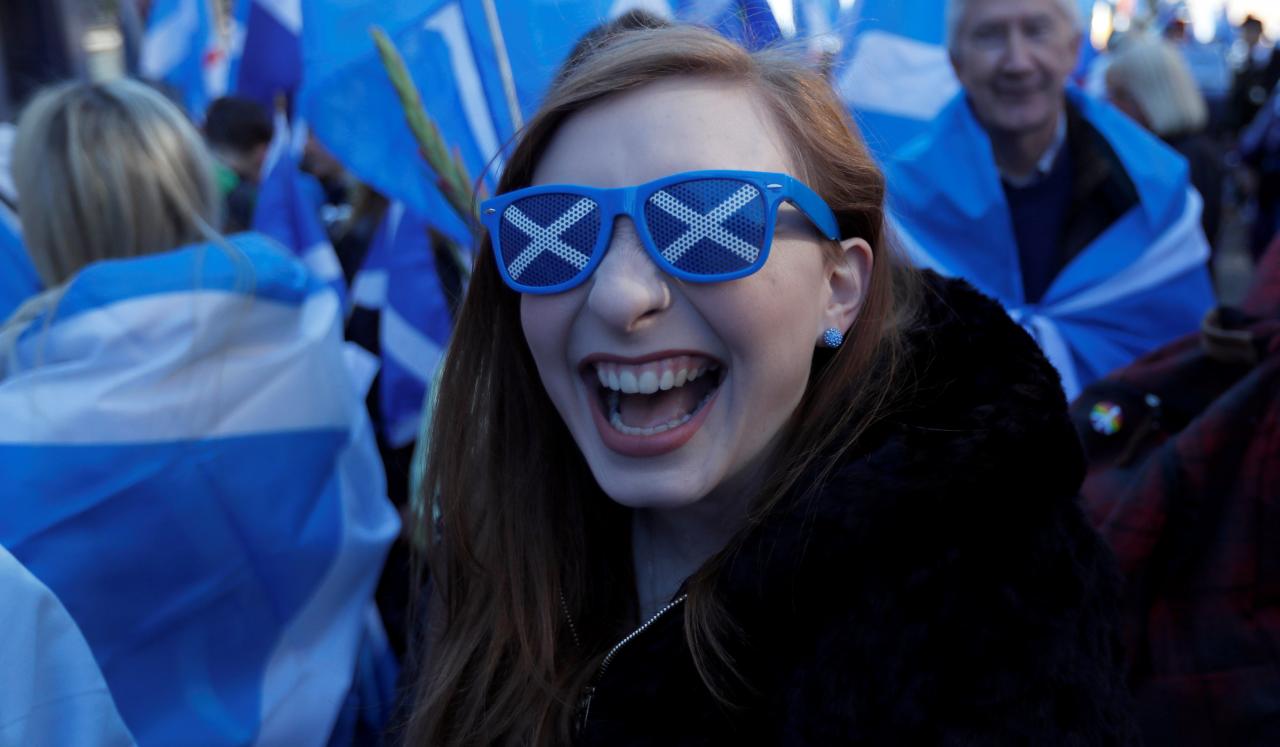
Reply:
x=1106 y=418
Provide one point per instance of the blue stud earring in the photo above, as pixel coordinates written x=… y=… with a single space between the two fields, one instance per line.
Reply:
x=832 y=337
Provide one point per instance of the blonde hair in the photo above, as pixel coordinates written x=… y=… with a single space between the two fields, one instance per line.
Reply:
x=109 y=170
x=1153 y=75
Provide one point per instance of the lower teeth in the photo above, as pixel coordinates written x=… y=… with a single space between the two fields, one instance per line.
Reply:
x=615 y=418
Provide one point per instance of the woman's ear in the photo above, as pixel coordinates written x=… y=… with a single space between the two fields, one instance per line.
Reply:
x=848 y=278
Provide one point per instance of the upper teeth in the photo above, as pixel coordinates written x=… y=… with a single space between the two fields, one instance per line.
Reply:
x=652 y=376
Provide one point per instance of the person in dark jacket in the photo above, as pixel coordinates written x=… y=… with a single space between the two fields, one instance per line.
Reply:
x=239 y=132
x=1257 y=74
x=711 y=465
x=1182 y=482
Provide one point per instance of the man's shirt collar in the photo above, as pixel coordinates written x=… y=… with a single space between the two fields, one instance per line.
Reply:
x=1045 y=164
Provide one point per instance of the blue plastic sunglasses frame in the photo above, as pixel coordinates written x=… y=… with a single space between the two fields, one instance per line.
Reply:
x=773 y=189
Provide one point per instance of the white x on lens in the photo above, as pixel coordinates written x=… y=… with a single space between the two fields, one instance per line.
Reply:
x=707 y=226
x=547 y=239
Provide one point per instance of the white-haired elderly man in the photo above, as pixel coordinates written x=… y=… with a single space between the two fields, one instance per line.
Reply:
x=1081 y=223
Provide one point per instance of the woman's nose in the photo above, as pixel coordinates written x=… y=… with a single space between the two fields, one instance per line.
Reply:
x=627 y=288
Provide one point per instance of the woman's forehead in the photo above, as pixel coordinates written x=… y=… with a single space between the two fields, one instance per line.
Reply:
x=680 y=124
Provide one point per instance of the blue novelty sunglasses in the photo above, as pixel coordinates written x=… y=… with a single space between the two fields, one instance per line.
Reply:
x=698 y=226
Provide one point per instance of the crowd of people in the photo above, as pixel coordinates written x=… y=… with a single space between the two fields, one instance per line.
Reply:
x=742 y=437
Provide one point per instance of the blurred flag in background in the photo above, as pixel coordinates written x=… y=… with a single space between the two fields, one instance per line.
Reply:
x=289 y=203
x=894 y=73
x=181 y=49
x=266 y=50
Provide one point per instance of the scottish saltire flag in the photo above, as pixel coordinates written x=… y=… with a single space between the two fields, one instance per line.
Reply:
x=266 y=50
x=750 y=23
x=369 y=286
x=349 y=102
x=54 y=692
x=414 y=328
x=1142 y=282
x=479 y=76
x=181 y=49
x=189 y=470
x=288 y=207
x=894 y=73
x=821 y=22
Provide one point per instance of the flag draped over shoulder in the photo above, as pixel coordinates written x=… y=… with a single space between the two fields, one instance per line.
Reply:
x=181 y=49
x=54 y=692
x=189 y=469
x=1142 y=282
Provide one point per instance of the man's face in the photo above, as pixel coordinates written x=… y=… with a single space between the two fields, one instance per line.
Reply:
x=1013 y=58
x=1252 y=34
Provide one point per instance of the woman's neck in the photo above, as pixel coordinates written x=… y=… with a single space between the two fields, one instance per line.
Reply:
x=671 y=544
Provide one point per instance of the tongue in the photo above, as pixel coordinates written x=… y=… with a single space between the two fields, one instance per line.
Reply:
x=649 y=410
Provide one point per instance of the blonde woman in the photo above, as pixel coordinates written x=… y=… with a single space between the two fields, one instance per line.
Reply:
x=1149 y=80
x=186 y=462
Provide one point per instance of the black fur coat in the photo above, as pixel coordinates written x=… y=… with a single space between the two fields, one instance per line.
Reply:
x=942 y=588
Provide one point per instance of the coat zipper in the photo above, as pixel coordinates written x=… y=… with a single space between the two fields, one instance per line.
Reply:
x=584 y=705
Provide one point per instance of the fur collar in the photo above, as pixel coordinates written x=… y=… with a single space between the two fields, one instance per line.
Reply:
x=940 y=586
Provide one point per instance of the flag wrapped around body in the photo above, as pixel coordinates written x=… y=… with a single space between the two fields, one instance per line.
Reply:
x=1141 y=283
x=189 y=469
x=54 y=691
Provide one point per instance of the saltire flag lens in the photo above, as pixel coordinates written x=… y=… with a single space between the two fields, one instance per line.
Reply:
x=704 y=229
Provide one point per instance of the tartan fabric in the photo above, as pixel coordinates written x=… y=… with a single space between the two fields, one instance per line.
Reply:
x=1186 y=490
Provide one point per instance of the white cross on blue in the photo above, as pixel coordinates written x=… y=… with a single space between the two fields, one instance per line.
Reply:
x=547 y=238
x=708 y=226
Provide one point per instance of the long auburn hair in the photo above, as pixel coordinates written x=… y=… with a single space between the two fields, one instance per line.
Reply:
x=530 y=562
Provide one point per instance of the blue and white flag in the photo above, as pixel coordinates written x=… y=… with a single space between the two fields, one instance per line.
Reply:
x=479 y=77
x=349 y=102
x=181 y=49
x=750 y=23
x=369 y=286
x=415 y=325
x=189 y=469
x=53 y=690
x=266 y=50
x=894 y=73
x=289 y=204
x=1141 y=283
x=821 y=23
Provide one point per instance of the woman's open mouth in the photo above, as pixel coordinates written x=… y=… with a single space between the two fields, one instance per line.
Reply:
x=650 y=408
